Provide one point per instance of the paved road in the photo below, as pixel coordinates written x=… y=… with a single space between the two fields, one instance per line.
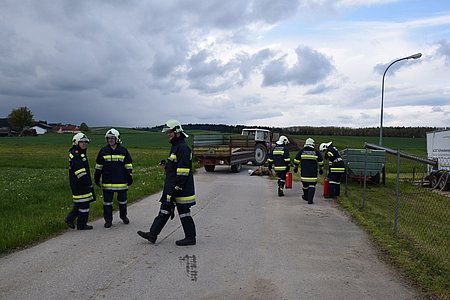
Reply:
x=251 y=245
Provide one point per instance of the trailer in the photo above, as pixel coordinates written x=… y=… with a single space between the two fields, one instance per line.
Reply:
x=438 y=149
x=220 y=149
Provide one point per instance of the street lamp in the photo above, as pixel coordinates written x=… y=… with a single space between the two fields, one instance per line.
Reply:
x=414 y=56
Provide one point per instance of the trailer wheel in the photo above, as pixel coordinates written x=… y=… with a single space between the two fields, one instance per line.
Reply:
x=236 y=168
x=433 y=180
x=210 y=168
x=260 y=155
x=444 y=180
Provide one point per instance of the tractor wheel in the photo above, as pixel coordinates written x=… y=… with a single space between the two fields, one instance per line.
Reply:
x=260 y=155
x=236 y=168
x=210 y=168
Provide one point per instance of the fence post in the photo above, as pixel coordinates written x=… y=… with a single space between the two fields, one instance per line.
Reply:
x=365 y=180
x=397 y=188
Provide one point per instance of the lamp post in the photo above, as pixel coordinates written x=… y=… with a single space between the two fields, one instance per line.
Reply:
x=414 y=56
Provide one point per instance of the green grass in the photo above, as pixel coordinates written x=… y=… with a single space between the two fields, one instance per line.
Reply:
x=421 y=248
x=34 y=182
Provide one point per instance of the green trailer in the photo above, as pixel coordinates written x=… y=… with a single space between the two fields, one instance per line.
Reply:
x=365 y=162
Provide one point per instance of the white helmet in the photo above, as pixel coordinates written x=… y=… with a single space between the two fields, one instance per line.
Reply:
x=79 y=137
x=309 y=141
x=282 y=140
x=324 y=146
x=113 y=133
x=175 y=126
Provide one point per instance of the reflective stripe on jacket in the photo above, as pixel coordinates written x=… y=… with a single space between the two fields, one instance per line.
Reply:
x=114 y=166
x=179 y=181
x=80 y=176
x=279 y=158
x=309 y=159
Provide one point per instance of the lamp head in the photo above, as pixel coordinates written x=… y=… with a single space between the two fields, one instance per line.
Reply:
x=415 y=56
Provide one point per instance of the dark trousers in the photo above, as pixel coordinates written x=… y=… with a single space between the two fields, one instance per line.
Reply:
x=281 y=178
x=80 y=212
x=108 y=204
x=309 y=189
x=184 y=211
x=337 y=172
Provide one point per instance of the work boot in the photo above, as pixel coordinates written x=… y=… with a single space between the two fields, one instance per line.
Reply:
x=304 y=198
x=84 y=227
x=108 y=224
x=148 y=236
x=280 y=192
x=310 y=202
x=186 y=242
x=70 y=223
x=125 y=220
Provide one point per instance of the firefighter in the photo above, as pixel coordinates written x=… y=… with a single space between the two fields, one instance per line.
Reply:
x=115 y=170
x=80 y=183
x=310 y=159
x=280 y=161
x=336 y=168
x=179 y=188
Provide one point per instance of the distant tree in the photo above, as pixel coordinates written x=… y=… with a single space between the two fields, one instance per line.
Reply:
x=84 y=128
x=20 y=118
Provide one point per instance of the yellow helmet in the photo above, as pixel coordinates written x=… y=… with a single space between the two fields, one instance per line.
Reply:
x=175 y=126
x=324 y=146
x=113 y=133
x=283 y=140
x=79 y=137
x=309 y=141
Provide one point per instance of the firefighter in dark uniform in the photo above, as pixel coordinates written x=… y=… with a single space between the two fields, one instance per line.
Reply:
x=178 y=188
x=309 y=159
x=115 y=170
x=280 y=161
x=336 y=168
x=80 y=183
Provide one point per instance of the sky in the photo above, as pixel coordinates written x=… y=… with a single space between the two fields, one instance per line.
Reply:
x=132 y=63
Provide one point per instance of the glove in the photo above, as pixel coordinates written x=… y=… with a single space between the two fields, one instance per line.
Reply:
x=172 y=207
x=270 y=166
x=295 y=169
x=162 y=162
x=130 y=179
x=288 y=168
x=172 y=212
x=97 y=180
x=321 y=171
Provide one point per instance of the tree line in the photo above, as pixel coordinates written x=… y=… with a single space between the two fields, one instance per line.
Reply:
x=400 y=131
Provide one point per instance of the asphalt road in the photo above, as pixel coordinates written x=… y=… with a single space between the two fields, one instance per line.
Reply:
x=251 y=244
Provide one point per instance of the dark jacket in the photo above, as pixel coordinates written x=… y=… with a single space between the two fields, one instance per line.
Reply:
x=80 y=176
x=337 y=164
x=309 y=159
x=179 y=182
x=279 y=158
x=115 y=168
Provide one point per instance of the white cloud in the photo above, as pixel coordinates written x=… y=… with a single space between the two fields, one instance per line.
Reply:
x=275 y=63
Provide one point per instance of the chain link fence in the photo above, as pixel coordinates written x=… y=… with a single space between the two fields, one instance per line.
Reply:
x=400 y=204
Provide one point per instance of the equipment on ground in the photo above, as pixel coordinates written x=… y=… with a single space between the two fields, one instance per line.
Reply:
x=288 y=180
x=326 y=188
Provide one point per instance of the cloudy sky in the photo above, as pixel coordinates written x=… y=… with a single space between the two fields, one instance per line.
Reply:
x=254 y=62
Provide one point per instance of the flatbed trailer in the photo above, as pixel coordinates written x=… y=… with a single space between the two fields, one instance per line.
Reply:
x=221 y=149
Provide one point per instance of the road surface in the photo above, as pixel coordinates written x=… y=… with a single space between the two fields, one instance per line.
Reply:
x=251 y=244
